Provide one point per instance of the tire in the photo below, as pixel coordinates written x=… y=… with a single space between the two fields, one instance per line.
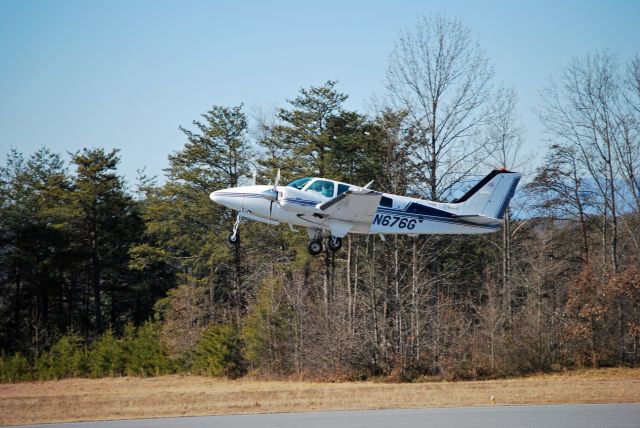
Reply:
x=315 y=248
x=335 y=243
x=234 y=239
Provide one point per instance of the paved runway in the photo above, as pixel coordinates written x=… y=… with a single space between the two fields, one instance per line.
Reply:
x=568 y=416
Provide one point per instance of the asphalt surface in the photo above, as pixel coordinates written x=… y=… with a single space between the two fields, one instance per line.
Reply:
x=568 y=416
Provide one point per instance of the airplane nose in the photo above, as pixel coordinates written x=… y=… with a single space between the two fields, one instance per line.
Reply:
x=228 y=198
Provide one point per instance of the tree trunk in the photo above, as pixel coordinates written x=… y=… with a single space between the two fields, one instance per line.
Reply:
x=16 y=308
x=237 y=285
x=97 y=292
x=398 y=301
x=325 y=284
x=349 y=295
x=506 y=262
x=414 y=299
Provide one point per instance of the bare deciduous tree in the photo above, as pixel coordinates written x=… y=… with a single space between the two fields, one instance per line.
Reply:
x=506 y=137
x=505 y=134
x=581 y=111
x=440 y=76
x=628 y=151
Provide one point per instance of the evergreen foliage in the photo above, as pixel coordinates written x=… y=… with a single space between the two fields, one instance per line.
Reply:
x=14 y=368
x=219 y=352
x=66 y=358
x=145 y=355
x=107 y=356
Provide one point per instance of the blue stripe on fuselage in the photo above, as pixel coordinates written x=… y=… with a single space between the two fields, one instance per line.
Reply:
x=440 y=219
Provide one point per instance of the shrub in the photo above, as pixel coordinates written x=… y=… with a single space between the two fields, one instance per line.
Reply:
x=14 y=368
x=185 y=314
x=268 y=330
x=219 y=352
x=66 y=358
x=106 y=357
x=144 y=354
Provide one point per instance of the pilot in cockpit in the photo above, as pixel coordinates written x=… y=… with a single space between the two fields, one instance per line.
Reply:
x=326 y=188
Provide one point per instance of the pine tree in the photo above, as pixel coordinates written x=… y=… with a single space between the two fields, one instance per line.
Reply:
x=106 y=356
x=184 y=227
x=66 y=358
x=219 y=352
x=144 y=354
x=105 y=224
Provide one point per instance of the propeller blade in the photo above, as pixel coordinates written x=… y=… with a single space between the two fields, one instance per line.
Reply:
x=273 y=193
x=275 y=183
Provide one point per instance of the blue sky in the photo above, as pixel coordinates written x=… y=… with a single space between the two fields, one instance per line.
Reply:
x=126 y=74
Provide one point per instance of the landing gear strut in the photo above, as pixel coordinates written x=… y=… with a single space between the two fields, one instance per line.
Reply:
x=234 y=238
x=315 y=241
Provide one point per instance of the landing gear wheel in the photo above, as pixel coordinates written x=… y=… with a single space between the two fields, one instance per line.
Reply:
x=315 y=248
x=335 y=243
x=234 y=238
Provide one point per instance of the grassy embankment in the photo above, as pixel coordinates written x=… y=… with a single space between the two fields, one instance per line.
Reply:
x=124 y=398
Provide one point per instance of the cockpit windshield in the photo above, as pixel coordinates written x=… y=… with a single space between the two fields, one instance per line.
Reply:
x=324 y=187
x=299 y=184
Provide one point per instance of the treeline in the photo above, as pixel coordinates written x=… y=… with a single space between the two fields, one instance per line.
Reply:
x=138 y=352
x=140 y=280
x=65 y=250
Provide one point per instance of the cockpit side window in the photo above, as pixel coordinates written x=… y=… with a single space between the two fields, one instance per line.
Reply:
x=386 y=202
x=299 y=184
x=322 y=186
x=342 y=188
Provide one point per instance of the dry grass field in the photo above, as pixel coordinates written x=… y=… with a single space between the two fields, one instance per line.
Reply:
x=124 y=398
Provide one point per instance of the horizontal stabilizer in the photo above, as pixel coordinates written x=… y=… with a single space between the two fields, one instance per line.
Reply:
x=479 y=219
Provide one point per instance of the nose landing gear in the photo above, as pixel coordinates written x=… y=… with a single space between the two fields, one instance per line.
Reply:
x=234 y=237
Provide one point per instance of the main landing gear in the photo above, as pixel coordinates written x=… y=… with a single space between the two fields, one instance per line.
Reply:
x=316 y=239
x=316 y=243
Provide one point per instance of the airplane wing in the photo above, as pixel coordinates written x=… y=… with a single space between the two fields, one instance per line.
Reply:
x=352 y=206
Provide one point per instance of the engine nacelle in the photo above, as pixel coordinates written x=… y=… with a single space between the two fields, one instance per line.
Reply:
x=298 y=201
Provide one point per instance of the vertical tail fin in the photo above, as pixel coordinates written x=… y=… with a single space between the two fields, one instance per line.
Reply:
x=490 y=197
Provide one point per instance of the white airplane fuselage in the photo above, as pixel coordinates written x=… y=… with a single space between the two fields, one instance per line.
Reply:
x=394 y=215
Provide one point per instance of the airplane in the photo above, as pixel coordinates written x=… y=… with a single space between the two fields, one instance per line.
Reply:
x=332 y=209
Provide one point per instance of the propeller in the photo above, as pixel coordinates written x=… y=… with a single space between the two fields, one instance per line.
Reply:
x=272 y=194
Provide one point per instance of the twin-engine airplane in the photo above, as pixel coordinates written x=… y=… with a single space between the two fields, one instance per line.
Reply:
x=329 y=208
